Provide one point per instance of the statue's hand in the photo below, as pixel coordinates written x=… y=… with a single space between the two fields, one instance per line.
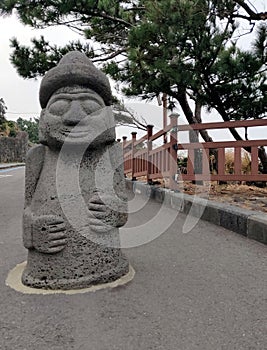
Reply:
x=100 y=214
x=49 y=234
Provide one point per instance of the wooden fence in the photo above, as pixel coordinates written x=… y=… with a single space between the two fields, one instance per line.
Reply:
x=141 y=159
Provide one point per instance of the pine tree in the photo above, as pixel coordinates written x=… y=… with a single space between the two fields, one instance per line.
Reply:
x=3 y=109
x=31 y=126
x=185 y=48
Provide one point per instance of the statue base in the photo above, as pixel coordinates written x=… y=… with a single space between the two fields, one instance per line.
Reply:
x=14 y=281
x=77 y=282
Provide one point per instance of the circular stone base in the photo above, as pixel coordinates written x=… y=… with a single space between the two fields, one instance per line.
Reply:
x=14 y=281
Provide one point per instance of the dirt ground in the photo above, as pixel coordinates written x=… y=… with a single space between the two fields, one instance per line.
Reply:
x=244 y=196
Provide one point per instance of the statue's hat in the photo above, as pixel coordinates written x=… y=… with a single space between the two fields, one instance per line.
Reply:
x=75 y=68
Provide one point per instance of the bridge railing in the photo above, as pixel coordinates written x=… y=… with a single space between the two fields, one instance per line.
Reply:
x=143 y=159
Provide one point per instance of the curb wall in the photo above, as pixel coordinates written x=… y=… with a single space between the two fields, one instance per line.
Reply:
x=10 y=165
x=248 y=223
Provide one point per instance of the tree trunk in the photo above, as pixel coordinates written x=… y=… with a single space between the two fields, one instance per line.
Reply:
x=263 y=157
x=191 y=118
x=194 y=134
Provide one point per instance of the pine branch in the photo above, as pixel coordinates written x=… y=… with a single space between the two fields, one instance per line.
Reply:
x=258 y=17
x=114 y=19
x=113 y=55
x=137 y=8
x=134 y=126
x=252 y=15
x=219 y=46
x=125 y=116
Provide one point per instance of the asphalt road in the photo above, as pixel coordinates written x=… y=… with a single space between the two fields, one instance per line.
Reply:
x=204 y=290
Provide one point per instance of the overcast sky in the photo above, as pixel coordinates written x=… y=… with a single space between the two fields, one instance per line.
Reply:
x=21 y=95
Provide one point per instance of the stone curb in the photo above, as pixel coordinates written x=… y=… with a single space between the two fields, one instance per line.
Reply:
x=10 y=165
x=248 y=223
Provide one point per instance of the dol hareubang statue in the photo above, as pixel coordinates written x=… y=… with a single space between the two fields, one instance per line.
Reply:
x=75 y=190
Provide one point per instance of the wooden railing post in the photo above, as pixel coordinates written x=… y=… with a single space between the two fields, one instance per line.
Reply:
x=237 y=161
x=164 y=102
x=125 y=161
x=206 y=162
x=124 y=140
x=221 y=161
x=173 y=150
x=149 y=149
x=254 y=161
x=133 y=152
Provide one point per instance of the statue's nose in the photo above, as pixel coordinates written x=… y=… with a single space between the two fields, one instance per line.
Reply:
x=74 y=115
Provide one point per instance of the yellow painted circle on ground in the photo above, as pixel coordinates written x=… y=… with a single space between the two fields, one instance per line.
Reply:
x=14 y=281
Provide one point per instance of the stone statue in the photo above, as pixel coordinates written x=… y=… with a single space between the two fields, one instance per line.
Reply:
x=75 y=197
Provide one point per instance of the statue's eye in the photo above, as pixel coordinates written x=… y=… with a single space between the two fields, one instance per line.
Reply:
x=90 y=106
x=59 y=107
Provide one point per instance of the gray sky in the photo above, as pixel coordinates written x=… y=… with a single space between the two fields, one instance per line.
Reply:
x=21 y=95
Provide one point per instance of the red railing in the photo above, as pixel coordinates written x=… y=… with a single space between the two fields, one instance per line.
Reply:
x=161 y=162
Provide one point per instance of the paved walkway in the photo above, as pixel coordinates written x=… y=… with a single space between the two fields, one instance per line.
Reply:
x=203 y=290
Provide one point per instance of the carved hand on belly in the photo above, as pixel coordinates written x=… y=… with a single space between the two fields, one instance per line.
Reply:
x=99 y=214
x=49 y=234
x=106 y=213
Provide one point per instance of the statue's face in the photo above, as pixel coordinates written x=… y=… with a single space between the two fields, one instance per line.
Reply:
x=74 y=115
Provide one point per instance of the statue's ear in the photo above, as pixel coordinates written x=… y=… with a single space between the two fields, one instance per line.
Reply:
x=42 y=128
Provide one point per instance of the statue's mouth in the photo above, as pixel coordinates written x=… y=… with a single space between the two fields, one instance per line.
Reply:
x=75 y=133
x=78 y=134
